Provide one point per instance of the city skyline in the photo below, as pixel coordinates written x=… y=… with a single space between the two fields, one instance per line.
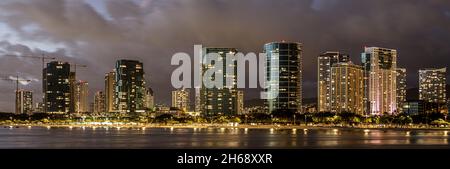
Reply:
x=38 y=32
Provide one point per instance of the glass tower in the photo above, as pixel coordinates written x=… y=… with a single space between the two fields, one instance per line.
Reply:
x=57 y=87
x=219 y=101
x=286 y=79
x=129 y=86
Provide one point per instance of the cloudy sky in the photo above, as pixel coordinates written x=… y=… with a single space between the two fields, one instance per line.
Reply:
x=98 y=32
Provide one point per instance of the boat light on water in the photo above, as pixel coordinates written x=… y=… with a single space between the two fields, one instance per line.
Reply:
x=445 y=133
x=48 y=127
x=143 y=128
x=408 y=133
x=29 y=127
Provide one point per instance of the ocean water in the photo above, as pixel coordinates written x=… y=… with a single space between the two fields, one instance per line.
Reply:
x=217 y=138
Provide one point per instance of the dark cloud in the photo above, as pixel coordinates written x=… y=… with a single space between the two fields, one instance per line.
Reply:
x=153 y=30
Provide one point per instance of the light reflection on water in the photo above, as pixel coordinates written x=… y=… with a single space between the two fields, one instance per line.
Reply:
x=102 y=137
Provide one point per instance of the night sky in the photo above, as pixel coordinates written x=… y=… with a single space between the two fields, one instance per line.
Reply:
x=98 y=32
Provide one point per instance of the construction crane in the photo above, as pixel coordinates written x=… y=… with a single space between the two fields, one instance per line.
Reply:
x=43 y=58
x=17 y=80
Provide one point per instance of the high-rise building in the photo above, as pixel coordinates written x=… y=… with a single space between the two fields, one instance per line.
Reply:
x=57 y=87
x=324 y=63
x=110 y=83
x=286 y=79
x=401 y=89
x=240 y=101
x=432 y=84
x=149 y=102
x=347 y=88
x=215 y=101
x=380 y=66
x=24 y=102
x=73 y=88
x=180 y=99
x=197 y=104
x=81 y=97
x=130 y=86
x=99 y=102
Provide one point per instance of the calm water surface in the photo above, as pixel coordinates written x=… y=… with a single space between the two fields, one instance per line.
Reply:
x=41 y=137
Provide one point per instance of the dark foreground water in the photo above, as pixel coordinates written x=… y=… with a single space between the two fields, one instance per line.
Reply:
x=41 y=137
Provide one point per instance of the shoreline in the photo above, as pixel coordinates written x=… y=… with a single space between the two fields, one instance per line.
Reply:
x=216 y=126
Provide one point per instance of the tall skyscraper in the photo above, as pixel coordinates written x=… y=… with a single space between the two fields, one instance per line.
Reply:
x=347 y=88
x=286 y=79
x=324 y=63
x=81 y=97
x=215 y=101
x=57 y=87
x=240 y=101
x=401 y=89
x=110 y=83
x=149 y=102
x=73 y=88
x=432 y=83
x=197 y=104
x=130 y=86
x=99 y=102
x=380 y=65
x=180 y=99
x=24 y=102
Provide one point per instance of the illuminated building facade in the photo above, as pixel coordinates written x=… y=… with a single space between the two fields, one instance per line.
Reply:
x=401 y=89
x=286 y=79
x=149 y=101
x=99 y=102
x=240 y=101
x=57 y=88
x=219 y=101
x=24 y=102
x=432 y=86
x=129 y=86
x=347 y=88
x=81 y=97
x=110 y=82
x=324 y=63
x=180 y=99
x=380 y=66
